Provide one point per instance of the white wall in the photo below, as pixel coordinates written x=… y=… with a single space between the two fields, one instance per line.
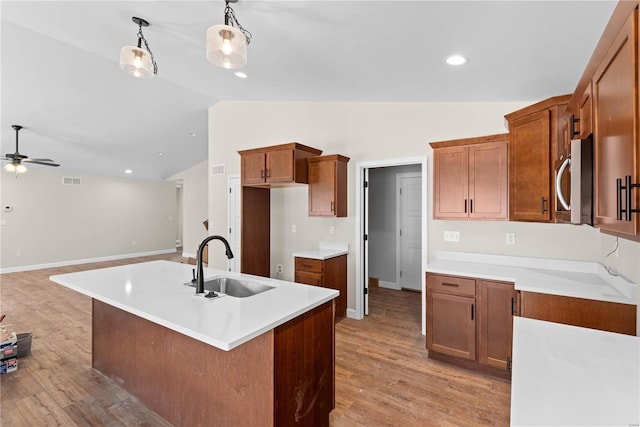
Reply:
x=372 y=132
x=383 y=221
x=194 y=206
x=103 y=217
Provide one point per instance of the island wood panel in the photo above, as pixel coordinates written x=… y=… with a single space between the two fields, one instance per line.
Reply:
x=284 y=377
x=603 y=315
x=256 y=231
x=186 y=381
x=305 y=369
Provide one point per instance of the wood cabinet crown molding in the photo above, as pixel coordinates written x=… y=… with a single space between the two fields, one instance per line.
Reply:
x=470 y=141
x=538 y=106
x=287 y=146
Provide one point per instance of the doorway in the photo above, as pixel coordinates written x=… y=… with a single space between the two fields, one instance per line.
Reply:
x=234 y=215
x=381 y=216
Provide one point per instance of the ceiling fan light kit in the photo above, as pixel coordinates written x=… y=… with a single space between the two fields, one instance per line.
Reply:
x=16 y=159
x=138 y=61
x=227 y=43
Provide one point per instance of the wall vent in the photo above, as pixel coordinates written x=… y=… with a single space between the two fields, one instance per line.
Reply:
x=67 y=180
x=217 y=170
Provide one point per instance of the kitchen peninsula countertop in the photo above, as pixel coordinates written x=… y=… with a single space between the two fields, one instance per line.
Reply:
x=325 y=250
x=571 y=376
x=578 y=279
x=155 y=291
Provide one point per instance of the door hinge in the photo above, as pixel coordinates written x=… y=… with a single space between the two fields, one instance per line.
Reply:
x=365 y=237
x=401 y=231
x=229 y=230
x=229 y=190
x=509 y=363
x=401 y=191
x=365 y=184
x=400 y=273
x=366 y=291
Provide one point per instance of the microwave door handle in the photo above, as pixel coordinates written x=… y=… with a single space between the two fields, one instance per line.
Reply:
x=561 y=171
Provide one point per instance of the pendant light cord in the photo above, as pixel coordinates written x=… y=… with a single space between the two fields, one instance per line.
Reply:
x=230 y=15
x=146 y=45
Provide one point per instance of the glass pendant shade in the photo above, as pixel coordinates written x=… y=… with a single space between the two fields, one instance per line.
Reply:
x=136 y=61
x=17 y=168
x=226 y=47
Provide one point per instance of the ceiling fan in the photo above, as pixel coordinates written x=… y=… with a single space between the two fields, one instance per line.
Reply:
x=17 y=159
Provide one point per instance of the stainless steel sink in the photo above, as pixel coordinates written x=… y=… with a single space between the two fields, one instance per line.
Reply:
x=233 y=287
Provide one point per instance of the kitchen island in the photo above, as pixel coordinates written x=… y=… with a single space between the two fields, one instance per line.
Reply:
x=267 y=359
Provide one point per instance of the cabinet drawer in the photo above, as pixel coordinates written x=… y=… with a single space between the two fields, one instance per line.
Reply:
x=451 y=285
x=308 y=264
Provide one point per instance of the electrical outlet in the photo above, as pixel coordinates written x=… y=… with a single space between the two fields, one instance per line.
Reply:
x=451 y=236
x=332 y=230
x=293 y=228
x=19 y=252
x=279 y=268
x=134 y=243
x=511 y=239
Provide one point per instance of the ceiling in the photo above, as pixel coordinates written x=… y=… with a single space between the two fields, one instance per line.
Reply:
x=60 y=77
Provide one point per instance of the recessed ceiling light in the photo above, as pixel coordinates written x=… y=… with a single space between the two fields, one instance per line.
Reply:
x=160 y=153
x=128 y=171
x=456 y=60
x=241 y=75
x=193 y=134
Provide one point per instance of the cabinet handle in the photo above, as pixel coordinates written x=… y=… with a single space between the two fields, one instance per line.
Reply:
x=619 y=188
x=332 y=206
x=453 y=285
x=543 y=204
x=513 y=304
x=267 y=174
x=306 y=265
x=629 y=186
x=470 y=205
x=262 y=173
x=572 y=126
x=465 y=205
x=472 y=311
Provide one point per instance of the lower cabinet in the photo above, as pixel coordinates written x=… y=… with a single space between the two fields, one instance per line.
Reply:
x=470 y=322
x=328 y=273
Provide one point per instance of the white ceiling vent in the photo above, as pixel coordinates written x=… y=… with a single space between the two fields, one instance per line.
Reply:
x=67 y=180
x=217 y=170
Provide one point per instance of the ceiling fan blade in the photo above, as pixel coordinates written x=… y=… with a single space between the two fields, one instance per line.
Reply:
x=41 y=160
x=38 y=162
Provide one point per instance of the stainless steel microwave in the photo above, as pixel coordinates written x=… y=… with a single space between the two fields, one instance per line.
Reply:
x=574 y=184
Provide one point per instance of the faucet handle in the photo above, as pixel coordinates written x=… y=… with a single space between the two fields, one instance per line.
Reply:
x=193 y=273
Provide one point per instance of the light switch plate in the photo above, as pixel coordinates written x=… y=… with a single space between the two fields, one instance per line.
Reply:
x=511 y=238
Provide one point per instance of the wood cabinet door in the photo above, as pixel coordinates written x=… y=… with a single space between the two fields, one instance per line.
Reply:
x=451 y=325
x=252 y=168
x=280 y=166
x=322 y=188
x=308 y=278
x=497 y=303
x=615 y=94
x=450 y=182
x=488 y=181
x=530 y=168
x=586 y=114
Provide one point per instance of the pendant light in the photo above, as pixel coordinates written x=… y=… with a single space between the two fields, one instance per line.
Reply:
x=136 y=60
x=227 y=44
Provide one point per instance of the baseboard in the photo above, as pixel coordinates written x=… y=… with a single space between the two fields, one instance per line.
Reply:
x=188 y=255
x=389 y=285
x=351 y=314
x=84 y=261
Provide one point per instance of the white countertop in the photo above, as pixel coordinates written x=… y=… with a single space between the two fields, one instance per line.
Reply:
x=577 y=279
x=569 y=376
x=155 y=291
x=325 y=250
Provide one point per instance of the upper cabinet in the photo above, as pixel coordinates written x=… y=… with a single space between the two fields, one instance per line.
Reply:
x=606 y=102
x=328 y=185
x=534 y=135
x=276 y=165
x=470 y=178
x=615 y=96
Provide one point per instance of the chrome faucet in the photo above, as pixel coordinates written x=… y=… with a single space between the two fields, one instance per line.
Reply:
x=200 y=276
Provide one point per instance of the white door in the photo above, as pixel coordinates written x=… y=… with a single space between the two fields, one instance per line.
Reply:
x=365 y=239
x=409 y=190
x=234 y=218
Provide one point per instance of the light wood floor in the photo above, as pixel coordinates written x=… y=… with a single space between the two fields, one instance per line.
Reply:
x=383 y=376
